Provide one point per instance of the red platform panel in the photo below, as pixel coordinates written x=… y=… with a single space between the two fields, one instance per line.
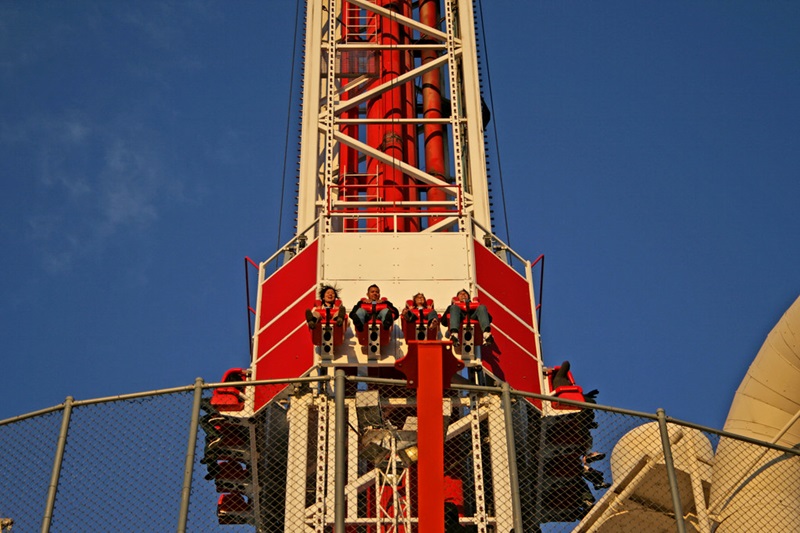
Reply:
x=512 y=358
x=283 y=347
x=512 y=326
x=508 y=362
x=284 y=322
x=290 y=359
x=288 y=283
x=503 y=283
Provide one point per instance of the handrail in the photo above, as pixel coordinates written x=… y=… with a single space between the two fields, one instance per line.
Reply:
x=503 y=245
x=344 y=201
x=348 y=204
x=387 y=214
x=288 y=247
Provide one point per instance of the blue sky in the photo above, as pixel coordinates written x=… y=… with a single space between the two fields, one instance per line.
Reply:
x=650 y=150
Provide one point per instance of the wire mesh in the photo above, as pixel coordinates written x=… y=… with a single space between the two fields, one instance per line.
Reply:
x=27 y=449
x=274 y=471
x=237 y=452
x=123 y=465
x=594 y=467
x=754 y=488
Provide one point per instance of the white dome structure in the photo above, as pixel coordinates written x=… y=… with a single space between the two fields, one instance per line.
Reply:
x=754 y=489
x=640 y=497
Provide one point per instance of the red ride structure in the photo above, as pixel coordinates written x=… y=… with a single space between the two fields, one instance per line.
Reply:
x=392 y=191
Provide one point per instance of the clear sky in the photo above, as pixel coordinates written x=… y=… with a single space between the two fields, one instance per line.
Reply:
x=651 y=150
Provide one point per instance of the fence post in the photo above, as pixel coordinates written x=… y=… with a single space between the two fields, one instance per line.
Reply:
x=513 y=476
x=673 y=480
x=188 y=467
x=58 y=460
x=340 y=457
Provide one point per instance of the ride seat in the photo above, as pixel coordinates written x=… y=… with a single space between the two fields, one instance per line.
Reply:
x=234 y=508
x=327 y=334
x=232 y=471
x=418 y=330
x=373 y=335
x=569 y=392
x=232 y=477
x=565 y=466
x=569 y=430
x=229 y=435
x=230 y=398
x=469 y=332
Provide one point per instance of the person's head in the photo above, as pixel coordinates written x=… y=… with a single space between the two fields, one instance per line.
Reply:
x=419 y=299
x=373 y=292
x=463 y=295
x=328 y=294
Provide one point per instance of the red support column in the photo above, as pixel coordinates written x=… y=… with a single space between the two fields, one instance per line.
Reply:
x=428 y=367
x=430 y=437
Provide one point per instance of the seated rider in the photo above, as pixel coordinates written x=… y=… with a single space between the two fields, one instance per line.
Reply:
x=421 y=303
x=454 y=314
x=362 y=312
x=328 y=296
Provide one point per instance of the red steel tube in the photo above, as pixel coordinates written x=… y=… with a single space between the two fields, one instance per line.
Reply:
x=430 y=436
x=432 y=108
x=348 y=157
x=389 y=105
x=410 y=134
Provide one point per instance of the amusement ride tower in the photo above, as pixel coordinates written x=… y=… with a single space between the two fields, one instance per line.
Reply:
x=393 y=192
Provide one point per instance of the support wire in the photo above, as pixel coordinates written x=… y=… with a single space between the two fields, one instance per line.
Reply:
x=494 y=123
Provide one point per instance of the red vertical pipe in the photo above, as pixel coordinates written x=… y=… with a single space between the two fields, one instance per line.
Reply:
x=432 y=108
x=374 y=132
x=392 y=141
x=348 y=157
x=430 y=436
x=409 y=111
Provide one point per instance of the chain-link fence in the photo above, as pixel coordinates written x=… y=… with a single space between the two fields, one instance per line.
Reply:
x=345 y=452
